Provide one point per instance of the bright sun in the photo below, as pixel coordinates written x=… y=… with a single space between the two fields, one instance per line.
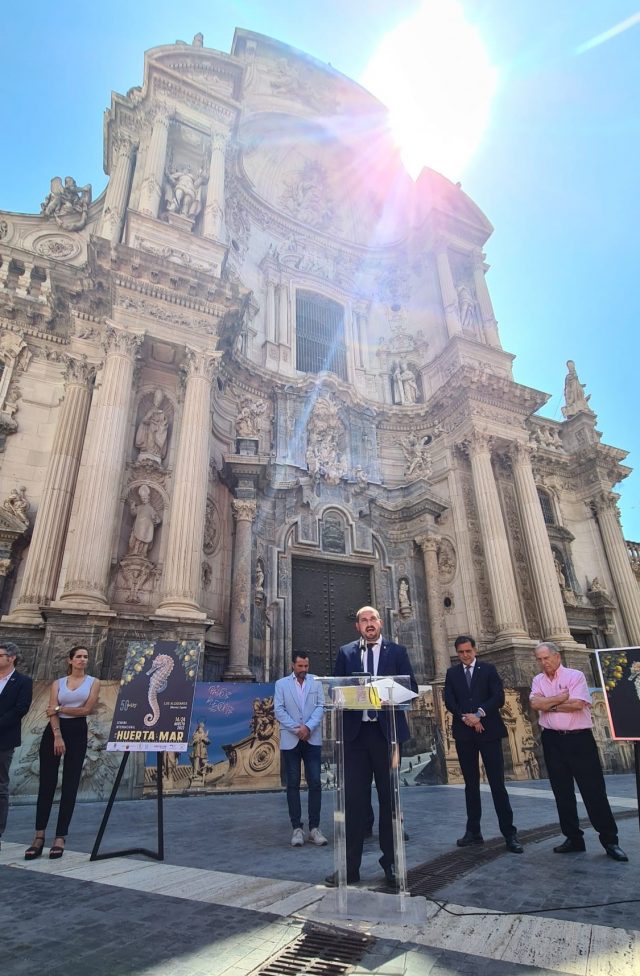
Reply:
x=433 y=73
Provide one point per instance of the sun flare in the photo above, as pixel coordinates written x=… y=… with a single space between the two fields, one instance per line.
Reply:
x=435 y=76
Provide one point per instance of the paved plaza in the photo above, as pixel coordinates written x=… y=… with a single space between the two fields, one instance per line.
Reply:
x=231 y=893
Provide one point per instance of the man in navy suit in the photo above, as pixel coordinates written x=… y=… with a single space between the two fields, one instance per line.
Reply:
x=474 y=695
x=298 y=705
x=15 y=699
x=367 y=755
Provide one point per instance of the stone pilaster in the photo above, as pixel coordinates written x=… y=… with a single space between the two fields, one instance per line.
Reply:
x=615 y=548
x=244 y=512
x=448 y=290
x=183 y=562
x=270 y=311
x=282 y=328
x=90 y=547
x=155 y=162
x=489 y=324
x=553 y=618
x=42 y=568
x=429 y=546
x=115 y=204
x=214 y=203
x=504 y=594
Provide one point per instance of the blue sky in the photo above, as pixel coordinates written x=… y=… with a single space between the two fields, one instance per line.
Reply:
x=556 y=173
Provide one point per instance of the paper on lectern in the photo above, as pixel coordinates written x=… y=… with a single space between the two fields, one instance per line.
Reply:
x=386 y=686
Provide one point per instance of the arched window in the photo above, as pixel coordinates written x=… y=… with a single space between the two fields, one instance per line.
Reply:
x=320 y=341
x=547 y=507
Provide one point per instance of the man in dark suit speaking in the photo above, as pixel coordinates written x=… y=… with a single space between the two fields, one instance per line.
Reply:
x=367 y=755
x=15 y=700
x=474 y=695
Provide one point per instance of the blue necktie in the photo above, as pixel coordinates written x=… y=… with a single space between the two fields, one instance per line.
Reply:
x=371 y=712
x=467 y=674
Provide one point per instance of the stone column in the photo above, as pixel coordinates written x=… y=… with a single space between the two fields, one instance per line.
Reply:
x=282 y=329
x=115 y=204
x=214 y=203
x=270 y=311
x=155 y=162
x=448 y=290
x=624 y=581
x=90 y=547
x=429 y=546
x=42 y=567
x=244 y=512
x=489 y=323
x=182 y=581
x=553 y=618
x=504 y=593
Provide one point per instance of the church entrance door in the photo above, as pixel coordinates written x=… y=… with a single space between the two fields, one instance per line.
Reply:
x=326 y=597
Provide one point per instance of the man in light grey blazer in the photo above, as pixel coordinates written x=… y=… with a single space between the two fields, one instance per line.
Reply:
x=299 y=704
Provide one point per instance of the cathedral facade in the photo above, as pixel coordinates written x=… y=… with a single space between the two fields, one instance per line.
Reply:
x=258 y=383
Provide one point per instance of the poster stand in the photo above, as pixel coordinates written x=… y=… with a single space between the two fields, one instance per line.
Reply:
x=156 y=855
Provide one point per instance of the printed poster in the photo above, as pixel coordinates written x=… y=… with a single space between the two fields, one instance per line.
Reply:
x=620 y=674
x=153 y=708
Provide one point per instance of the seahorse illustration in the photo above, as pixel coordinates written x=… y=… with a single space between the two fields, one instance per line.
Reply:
x=160 y=669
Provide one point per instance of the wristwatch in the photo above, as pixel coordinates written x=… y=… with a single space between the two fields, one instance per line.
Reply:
x=57 y=709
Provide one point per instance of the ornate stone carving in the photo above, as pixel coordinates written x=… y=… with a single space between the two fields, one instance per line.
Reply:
x=17 y=503
x=300 y=82
x=68 y=204
x=467 y=308
x=447 y=561
x=326 y=442
x=248 y=419
x=478 y=557
x=4 y=229
x=211 y=535
x=198 y=363
x=56 y=246
x=243 y=510
x=117 y=340
x=77 y=369
x=417 y=456
x=307 y=196
x=333 y=539
x=258 y=592
x=207 y=574
x=184 y=191
x=136 y=571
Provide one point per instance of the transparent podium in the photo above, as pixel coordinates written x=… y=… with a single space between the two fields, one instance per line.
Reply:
x=362 y=692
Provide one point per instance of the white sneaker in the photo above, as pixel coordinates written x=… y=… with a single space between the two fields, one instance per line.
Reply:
x=317 y=837
x=297 y=838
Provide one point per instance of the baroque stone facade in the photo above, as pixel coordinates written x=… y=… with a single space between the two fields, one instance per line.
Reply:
x=255 y=355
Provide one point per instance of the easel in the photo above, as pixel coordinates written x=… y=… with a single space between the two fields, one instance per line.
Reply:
x=156 y=855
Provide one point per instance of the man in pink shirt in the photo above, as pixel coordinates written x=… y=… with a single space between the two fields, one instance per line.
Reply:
x=562 y=700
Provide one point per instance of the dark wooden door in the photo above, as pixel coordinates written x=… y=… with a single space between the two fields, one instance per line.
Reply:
x=326 y=597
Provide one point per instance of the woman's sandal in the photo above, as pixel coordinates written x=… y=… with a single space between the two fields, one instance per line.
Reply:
x=55 y=852
x=35 y=850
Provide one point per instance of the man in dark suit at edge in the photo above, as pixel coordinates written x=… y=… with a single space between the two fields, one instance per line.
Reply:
x=367 y=754
x=15 y=701
x=474 y=695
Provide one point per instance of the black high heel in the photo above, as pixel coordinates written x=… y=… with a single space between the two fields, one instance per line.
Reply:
x=56 y=852
x=35 y=850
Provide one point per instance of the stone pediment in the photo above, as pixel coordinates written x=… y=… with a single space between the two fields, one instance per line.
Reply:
x=11 y=525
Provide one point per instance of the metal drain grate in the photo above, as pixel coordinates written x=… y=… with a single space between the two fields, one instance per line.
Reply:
x=318 y=952
x=428 y=878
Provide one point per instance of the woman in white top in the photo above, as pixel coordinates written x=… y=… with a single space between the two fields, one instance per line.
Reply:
x=71 y=699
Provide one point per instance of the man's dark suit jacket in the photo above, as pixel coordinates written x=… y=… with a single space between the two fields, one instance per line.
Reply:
x=394 y=660
x=486 y=692
x=15 y=701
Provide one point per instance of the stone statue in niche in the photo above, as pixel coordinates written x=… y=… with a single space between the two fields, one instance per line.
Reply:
x=67 y=203
x=326 y=436
x=404 y=385
x=17 y=504
x=574 y=398
x=185 y=195
x=152 y=432
x=560 y=571
x=466 y=308
x=404 y=600
x=144 y=523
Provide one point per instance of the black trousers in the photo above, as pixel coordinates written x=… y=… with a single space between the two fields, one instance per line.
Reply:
x=574 y=756
x=469 y=753
x=367 y=758
x=74 y=734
